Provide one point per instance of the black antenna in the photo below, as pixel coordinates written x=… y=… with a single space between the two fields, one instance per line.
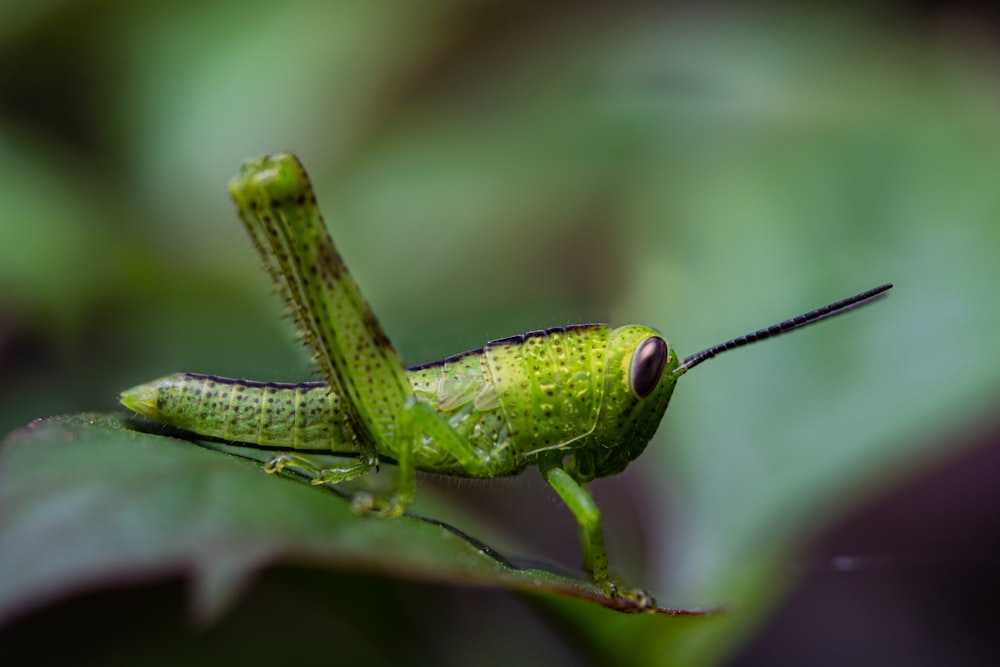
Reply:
x=811 y=317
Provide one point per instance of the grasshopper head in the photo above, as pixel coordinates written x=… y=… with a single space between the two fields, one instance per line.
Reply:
x=642 y=371
x=640 y=380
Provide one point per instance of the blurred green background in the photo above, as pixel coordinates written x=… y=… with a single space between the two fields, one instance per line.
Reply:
x=489 y=168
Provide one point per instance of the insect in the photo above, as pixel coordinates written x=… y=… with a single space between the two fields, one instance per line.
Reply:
x=579 y=402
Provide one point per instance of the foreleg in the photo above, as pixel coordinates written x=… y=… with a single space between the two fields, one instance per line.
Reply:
x=588 y=518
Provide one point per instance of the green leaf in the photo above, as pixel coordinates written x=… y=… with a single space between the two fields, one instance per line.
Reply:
x=88 y=501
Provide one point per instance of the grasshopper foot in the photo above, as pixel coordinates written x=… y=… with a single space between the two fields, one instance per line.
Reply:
x=637 y=596
x=317 y=473
x=278 y=463
x=386 y=506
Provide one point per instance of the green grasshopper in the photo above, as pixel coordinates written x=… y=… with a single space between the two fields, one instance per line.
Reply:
x=579 y=402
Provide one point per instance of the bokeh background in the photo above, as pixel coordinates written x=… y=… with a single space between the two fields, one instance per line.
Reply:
x=489 y=168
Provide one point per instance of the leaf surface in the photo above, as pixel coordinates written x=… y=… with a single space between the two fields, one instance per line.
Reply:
x=87 y=501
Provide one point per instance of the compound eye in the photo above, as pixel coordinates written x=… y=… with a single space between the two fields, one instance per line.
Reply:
x=647 y=365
